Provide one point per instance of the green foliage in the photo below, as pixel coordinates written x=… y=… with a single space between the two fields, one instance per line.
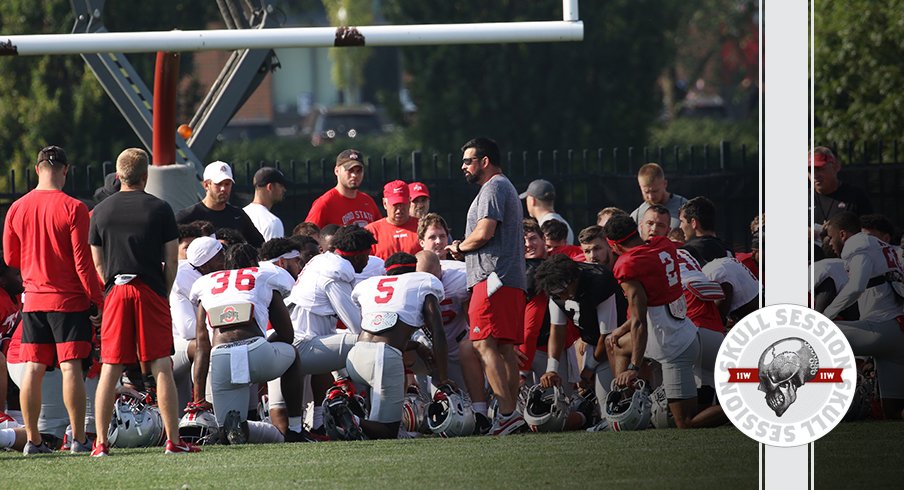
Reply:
x=598 y=92
x=300 y=149
x=56 y=99
x=858 y=49
x=705 y=131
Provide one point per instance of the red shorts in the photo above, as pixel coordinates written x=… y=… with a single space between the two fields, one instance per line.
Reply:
x=136 y=325
x=500 y=316
x=51 y=337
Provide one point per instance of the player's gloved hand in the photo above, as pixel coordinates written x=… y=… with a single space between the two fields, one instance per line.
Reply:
x=447 y=387
x=550 y=378
x=199 y=406
x=345 y=385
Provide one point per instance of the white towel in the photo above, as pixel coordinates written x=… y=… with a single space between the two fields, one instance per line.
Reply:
x=238 y=360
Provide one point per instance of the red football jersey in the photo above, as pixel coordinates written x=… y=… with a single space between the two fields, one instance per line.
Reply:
x=655 y=265
x=392 y=238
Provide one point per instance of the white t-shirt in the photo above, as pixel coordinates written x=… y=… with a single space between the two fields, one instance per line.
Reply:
x=744 y=287
x=558 y=217
x=254 y=285
x=183 y=312
x=866 y=257
x=266 y=222
x=322 y=294
x=384 y=298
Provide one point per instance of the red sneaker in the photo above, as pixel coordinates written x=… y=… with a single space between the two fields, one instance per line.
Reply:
x=100 y=450
x=182 y=447
x=7 y=422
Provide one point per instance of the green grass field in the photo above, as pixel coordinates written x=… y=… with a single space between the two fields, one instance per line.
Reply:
x=715 y=458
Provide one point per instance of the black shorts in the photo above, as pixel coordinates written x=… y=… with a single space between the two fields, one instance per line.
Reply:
x=51 y=337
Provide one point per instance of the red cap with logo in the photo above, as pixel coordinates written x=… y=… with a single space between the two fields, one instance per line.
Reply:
x=396 y=192
x=418 y=189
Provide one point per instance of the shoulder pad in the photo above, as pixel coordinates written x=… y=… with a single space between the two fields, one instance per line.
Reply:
x=856 y=244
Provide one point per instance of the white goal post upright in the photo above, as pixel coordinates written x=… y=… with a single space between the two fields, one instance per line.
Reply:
x=568 y=29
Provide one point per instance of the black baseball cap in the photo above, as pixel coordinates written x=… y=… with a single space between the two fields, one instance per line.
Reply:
x=53 y=155
x=269 y=175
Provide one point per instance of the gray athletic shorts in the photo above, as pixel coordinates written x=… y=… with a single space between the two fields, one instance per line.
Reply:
x=885 y=342
x=678 y=373
x=379 y=369
x=318 y=355
x=264 y=361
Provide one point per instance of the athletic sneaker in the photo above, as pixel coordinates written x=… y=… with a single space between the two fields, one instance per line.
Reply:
x=602 y=426
x=32 y=448
x=482 y=424
x=233 y=427
x=303 y=436
x=7 y=422
x=80 y=447
x=503 y=426
x=182 y=447
x=319 y=434
x=100 y=450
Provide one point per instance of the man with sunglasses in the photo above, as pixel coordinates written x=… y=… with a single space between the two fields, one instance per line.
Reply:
x=494 y=255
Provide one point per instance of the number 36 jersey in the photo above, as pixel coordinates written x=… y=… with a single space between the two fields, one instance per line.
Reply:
x=655 y=265
x=383 y=299
x=251 y=285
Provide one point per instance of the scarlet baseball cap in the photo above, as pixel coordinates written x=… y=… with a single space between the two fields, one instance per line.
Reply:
x=217 y=172
x=201 y=250
x=396 y=192
x=349 y=158
x=418 y=189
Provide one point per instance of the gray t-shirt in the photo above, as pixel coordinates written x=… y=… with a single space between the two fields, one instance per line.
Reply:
x=504 y=253
x=673 y=205
x=556 y=216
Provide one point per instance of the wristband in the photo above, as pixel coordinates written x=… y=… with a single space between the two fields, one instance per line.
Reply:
x=552 y=364
x=458 y=248
x=632 y=367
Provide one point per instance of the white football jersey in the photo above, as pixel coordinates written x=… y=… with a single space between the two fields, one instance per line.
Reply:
x=373 y=268
x=455 y=288
x=829 y=269
x=385 y=298
x=182 y=310
x=865 y=258
x=312 y=309
x=744 y=286
x=251 y=285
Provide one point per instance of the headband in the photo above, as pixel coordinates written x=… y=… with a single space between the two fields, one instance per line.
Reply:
x=291 y=254
x=612 y=242
x=352 y=253
x=404 y=264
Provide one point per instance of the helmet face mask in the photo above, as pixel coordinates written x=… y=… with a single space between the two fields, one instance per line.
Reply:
x=628 y=408
x=135 y=423
x=546 y=409
x=450 y=415
x=199 y=428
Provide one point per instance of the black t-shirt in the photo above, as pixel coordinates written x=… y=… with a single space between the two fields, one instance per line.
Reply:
x=133 y=227
x=595 y=285
x=229 y=217
x=707 y=248
x=845 y=198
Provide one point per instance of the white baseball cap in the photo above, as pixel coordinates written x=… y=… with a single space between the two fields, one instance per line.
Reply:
x=217 y=172
x=201 y=250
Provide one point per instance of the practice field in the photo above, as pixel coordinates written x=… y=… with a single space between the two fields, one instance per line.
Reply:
x=715 y=458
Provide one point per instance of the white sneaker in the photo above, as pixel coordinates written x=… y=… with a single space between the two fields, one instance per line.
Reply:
x=503 y=426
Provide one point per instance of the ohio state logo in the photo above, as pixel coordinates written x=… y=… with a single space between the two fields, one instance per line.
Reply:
x=785 y=375
x=229 y=315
